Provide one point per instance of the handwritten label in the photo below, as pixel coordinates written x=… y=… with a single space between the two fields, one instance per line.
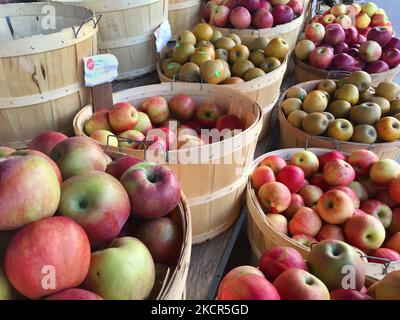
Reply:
x=163 y=35
x=100 y=69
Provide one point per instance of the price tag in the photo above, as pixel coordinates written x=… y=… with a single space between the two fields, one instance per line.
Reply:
x=100 y=69
x=163 y=35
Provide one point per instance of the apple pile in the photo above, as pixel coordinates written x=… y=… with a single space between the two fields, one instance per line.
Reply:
x=283 y=274
x=347 y=110
x=244 y=14
x=333 y=43
x=75 y=225
x=354 y=199
x=204 y=55
x=163 y=125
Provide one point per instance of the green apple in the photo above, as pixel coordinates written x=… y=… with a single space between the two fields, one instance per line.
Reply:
x=123 y=271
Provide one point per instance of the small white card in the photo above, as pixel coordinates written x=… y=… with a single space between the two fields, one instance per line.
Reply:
x=163 y=35
x=100 y=69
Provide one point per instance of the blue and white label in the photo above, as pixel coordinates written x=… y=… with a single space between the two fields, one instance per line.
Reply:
x=100 y=69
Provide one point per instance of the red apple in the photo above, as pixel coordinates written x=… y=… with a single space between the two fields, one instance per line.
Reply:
x=334 y=34
x=57 y=247
x=274 y=197
x=319 y=181
x=123 y=116
x=46 y=141
x=338 y=173
x=262 y=19
x=236 y=273
x=379 y=210
x=335 y=207
x=310 y=194
x=279 y=222
x=74 y=294
x=292 y=177
x=219 y=15
x=265 y=4
x=385 y=254
x=304 y=240
x=341 y=47
x=395 y=225
x=358 y=212
x=353 y=196
x=380 y=35
x=240 y=18
x=229 y=122
x=364 y=232
x=297 y=6
x=364 y=31
x=282 y=13
x=205 y=11
x=156 y=108
x=326 y=157
x=297 y=284
x=343 y=60
x=154 y=190
x=262 y=175
x=118 y=166
x=330 y=232
x=384 y=196
x=315 y=32
x=276 y=163
x=391 y=56
x=393 y=43
x=321 y=57
x=296 y=202
x=182 y=107
x=231 y=4
x=101 y=214
x=305 y=221
x=251 y=5
x=379 y=19
x=29 y=189
x=377 y=67
x=351 y=35
x=361 y=39
x=362 y=161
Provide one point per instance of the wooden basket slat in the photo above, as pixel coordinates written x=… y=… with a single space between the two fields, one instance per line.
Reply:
x=216 y=197
x=183 y=14
x=42 y=88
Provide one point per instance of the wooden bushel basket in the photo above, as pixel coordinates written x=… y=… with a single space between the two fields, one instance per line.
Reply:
x=41 y=69
x=263 y=235
x=265 y=90
x=304 y=72
x=213 y=177
x=292 y=137
x=183 y=14
x=126 y=31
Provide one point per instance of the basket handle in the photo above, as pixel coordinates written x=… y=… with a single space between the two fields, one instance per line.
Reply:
x=334 y=142
x=144 y=143
x=337 y=74
x=95 y=19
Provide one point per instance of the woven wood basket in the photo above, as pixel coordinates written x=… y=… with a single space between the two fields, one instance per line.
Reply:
x=183 y=14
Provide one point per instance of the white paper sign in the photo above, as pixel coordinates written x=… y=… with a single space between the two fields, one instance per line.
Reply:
x=100 y=69
x=163 y=35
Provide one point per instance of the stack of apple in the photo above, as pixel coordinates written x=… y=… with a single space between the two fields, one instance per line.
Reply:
x=244 y=14
x=332 y=43
x=348 y=110
x=354 y=199
x=282 y=274
x=205 y=55
x=161 y=124
x=75 y=226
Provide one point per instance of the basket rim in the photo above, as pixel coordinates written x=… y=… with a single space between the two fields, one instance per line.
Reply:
x=282 y=119
x=180 y=86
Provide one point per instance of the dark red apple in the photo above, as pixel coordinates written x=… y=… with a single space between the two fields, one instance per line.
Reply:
x=230 y=122
x=282 y=13
x=297 y=6
x=364 y=32
x=393 y=43
x=240 y=18
x=391 y=56
x=355 y=53
x=251 y=5
x=262 y=19
x=334 y=34
x=118 y=167
x=341 y=47
x=361 y=39
x=265 y=4
x=377 y=67
x=343 y=60
x=351 y=35
x=380 y=35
